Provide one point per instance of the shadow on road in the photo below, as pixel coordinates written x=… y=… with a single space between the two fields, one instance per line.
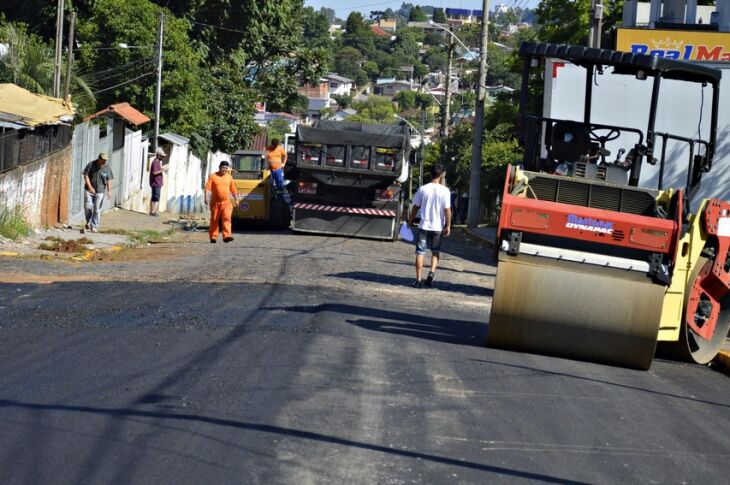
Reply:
x=602 y=381
x=443 y=266
x=407 y=281
x=409 y=324
x=123 y=413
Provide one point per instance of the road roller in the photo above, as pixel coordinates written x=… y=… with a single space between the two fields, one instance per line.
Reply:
x=593 y=265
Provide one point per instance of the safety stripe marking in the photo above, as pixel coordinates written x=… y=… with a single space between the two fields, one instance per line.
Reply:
x=346 y=210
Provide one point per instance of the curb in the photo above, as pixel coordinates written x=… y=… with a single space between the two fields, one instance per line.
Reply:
x=722 y=362
x=483 y=239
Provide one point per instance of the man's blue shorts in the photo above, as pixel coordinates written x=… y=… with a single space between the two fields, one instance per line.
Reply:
x=156 y=194
x=426 y=240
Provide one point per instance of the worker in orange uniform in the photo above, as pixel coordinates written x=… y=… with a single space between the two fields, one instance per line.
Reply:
x=277 y=157
x=218 y=192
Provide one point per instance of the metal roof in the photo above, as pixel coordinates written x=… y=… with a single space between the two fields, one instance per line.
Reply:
x=176 y=139
x=21 y=107
x=339 y=78
x=624 y=62
x=124 y=111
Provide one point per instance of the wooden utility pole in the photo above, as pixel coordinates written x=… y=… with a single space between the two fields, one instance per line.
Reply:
x=158 y=90
x=60 y=7
x=70 y=57
x=472 y=218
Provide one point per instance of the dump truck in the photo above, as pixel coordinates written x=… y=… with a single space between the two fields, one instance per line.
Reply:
x=591 y=265
x=347 y=178
x=259 y=203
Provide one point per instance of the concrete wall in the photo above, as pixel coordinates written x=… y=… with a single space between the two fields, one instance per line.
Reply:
x=40 y=188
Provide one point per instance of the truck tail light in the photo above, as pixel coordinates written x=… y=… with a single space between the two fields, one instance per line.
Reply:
x=384 y=194
x=307 y=188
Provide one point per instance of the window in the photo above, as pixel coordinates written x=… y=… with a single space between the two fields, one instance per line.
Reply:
x=309 y=153
x=335 y=155
x=360 y=157
x=385 y=158
x=249 y=162
x=334 y=85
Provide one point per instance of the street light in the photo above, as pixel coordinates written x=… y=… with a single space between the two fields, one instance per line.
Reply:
x=420 y=162
x=431 y=22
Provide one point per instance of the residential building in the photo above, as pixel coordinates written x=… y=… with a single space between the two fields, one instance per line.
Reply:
x=388 y=25
x=460 y=16
x=378 y=31
x=339 y=85
x=319 y=90
x=389 y=87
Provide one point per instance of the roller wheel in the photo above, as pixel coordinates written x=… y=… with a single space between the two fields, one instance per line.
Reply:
x=691 y=347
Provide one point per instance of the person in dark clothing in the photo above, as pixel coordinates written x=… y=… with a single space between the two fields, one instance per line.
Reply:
x=98 y=178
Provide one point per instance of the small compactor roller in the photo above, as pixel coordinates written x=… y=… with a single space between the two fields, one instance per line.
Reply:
x=591 y=266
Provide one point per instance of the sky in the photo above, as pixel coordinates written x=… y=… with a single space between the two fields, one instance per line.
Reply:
x=344 y=7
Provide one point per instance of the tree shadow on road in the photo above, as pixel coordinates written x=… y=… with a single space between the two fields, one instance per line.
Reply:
x=128 y=413
x=443 y=266
x=393 y=280
x=427 y=327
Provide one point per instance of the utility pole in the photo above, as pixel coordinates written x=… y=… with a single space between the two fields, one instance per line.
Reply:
x=472 y=217
x=420 y=149
x=70 y=57
x=60 y=7
x=594 y=33
x=445 y=115
x=158 y=90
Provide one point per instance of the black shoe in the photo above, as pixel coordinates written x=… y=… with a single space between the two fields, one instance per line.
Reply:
x=418 y=284
x=429 y=280
x=213 y=241
x=227 y=239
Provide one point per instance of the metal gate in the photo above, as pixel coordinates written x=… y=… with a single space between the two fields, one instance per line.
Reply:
x=86 y=148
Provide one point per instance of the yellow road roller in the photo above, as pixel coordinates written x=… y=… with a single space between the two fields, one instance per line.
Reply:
x=258 y=203
x=592 y=265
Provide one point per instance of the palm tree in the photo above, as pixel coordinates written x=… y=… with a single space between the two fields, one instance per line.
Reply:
x=28 y=62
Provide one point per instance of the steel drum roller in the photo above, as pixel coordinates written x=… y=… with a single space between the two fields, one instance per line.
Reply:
x=575 y=310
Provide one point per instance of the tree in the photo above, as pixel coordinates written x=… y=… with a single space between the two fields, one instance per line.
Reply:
x=344 y=101
x=124 y=74
x=357 y=34
x=375 y=109
x=329 y=14
x=29 y=64
x=564 y=21
x=316 y=29
x=230 y=106
x=417 y=15
x=439 y=16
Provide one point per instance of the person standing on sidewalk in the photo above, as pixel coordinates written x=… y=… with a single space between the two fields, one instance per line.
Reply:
x=156 y=180
x=98 y=178
x=434 y=201
x=218 y=192
x=277 y=157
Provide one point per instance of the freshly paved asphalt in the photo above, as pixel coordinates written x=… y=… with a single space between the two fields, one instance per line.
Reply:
x=294 y=359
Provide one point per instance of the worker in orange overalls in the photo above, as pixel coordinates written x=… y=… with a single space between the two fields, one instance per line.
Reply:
x=276 y=155
x=218 y=191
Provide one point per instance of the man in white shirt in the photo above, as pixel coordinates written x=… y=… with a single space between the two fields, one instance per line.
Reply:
x=434 y=202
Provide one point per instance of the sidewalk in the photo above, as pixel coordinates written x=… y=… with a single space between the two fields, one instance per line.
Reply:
x=488 y=235
x=118 y=227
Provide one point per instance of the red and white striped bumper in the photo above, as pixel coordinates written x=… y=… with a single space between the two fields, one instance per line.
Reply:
x=345 y=210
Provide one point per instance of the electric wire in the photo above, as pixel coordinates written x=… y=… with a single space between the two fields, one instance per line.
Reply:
x=122 y=84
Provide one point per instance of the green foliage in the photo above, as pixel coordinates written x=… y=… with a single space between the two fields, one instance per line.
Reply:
x=564 y=21
x=230 y=106
x=134 y=22
x=439 y=16
x=343 y=101
x=417 y=15
x=29 y=64
x=375 y=109
x=12 y=223
x=277 y=128
x=413 y=99
x=316 y=29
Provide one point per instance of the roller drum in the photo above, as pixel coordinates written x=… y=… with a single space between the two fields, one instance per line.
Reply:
x=575 y=310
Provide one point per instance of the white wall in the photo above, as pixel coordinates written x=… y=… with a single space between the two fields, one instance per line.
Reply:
x=23 y=187
x=624 y=100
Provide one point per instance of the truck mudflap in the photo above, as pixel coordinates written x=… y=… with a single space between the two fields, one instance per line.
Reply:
x=345 y=221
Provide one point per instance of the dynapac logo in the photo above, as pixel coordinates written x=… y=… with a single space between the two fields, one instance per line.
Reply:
x=677 y=49
x=589 y=224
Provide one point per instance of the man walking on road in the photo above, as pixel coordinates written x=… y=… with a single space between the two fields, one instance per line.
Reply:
x=218 y=192
x=156 y=180
x=277 y=158
x=97 y=179
x=434 y=201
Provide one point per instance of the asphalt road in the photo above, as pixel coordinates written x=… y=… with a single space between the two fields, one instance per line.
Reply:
x=294 y=359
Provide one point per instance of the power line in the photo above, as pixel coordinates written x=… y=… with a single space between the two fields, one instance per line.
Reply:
x=218 y=27
x=122 y=84
x=123 y=67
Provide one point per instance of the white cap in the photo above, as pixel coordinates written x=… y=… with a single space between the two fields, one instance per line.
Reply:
x=161 y=152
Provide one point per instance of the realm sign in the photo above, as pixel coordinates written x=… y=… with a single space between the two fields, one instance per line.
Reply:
x=676 y=44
